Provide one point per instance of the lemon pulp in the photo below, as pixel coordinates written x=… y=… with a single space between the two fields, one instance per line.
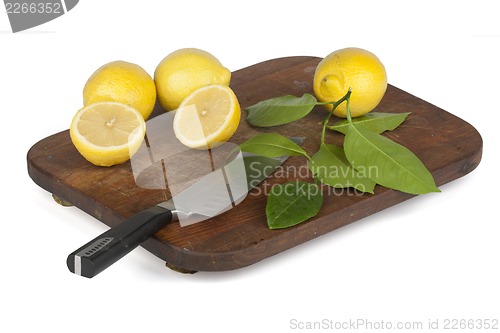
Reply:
x=107 y=133
x=208 y=117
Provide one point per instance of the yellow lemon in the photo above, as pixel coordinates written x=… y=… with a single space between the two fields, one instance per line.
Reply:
x=185 y=70
x=122 y=82
x=107 y=133
x=208 y=117
x=351 y=67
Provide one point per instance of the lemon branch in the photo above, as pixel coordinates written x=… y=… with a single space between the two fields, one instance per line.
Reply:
x=335 y=104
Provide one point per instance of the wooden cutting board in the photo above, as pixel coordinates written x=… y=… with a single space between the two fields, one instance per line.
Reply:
x=448 y=146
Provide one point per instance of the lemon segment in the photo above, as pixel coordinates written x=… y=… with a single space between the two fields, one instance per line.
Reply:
x=351 y=67
x=185 y=70
x=208 y=117
x=107 y=133
x=122 y=82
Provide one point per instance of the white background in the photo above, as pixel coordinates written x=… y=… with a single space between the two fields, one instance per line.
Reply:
x=433 y=257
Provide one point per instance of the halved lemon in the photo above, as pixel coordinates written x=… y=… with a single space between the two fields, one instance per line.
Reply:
x=107 y=133
x=208 y=117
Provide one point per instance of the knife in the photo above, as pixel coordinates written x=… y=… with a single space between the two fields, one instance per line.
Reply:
x=210 y=196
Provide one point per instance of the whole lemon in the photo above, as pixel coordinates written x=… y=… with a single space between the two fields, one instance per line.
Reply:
x=121 y=82
x=351 y=67
x=184 y=71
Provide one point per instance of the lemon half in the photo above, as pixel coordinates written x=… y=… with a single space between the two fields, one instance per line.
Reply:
x=208 y=117
x=107 y=133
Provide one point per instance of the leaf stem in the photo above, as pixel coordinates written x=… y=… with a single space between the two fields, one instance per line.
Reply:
x=325 y=122
x=348 y=106
x=335 y=104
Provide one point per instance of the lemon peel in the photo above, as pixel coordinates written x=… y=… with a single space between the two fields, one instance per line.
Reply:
x=353 y=68
x=185 y=70
x=123 y=82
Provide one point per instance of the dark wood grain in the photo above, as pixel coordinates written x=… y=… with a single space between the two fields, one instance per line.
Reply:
x=448 y=146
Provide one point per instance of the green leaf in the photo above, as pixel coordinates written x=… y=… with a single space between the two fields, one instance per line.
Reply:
x=272 y=145
x=258 y=168
x=330 y=166
x=386 y=162
x=280 y=110
x=291 y=203
x=377 y=122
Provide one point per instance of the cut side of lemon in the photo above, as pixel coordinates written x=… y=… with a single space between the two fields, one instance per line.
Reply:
x=208 y=117
x=107 y=133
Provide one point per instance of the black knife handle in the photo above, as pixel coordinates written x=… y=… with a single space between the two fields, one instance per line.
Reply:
x=106 y=249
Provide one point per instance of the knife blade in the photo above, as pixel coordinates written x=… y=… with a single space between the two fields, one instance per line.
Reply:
x=210 y=196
